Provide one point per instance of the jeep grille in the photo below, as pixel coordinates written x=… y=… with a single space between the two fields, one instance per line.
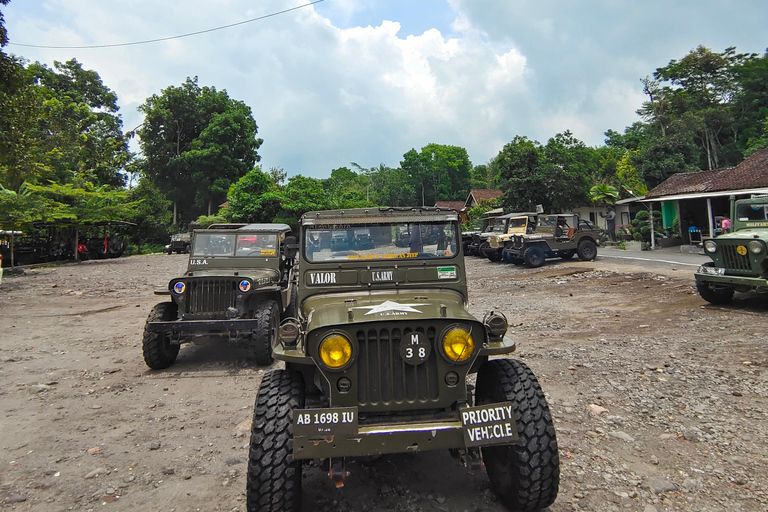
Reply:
x=210 y=298
x=734 y=261
x=383 y=376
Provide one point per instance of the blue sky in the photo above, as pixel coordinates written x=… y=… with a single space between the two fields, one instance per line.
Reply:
x=366 y=80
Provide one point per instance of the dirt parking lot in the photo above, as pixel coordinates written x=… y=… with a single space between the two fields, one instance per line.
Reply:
x=660 y=399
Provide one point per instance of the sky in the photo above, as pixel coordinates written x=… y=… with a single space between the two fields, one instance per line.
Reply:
x=365 y=81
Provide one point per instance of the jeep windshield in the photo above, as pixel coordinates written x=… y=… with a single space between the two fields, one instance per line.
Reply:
x=231 y=244
x=381 y=241
x=748 y=212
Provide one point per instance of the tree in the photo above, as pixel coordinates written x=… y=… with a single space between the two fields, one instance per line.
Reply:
x=483 y=178
x=197 y=142
x=254 y=198
x=9 y=67
x=80 y=128
x=151 y=214
x=438 y=173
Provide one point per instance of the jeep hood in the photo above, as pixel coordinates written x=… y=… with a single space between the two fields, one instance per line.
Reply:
x=251 y=273
x=386 y=305
x=751 y=233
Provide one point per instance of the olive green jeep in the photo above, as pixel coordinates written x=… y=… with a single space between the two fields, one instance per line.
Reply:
x=239 y=282
x=380 y=359
x=556 y=236
x=180 y=243
x=739 y=262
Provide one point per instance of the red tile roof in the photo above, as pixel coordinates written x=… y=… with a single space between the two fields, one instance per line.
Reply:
x=453 y=205
x=751 y=173
x=484 y=194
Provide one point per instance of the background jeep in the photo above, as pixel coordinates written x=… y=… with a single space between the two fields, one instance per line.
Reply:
x=237 y=284
x=561 y=235
x=739 y=262
x=379 y=359
x=519 y=224
x=180 y=243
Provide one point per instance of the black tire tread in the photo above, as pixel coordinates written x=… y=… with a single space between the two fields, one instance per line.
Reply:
x=584 y=249
x=274 y=476
x=721 y=295
x=534 y=256
x=157 y=353
x=532 y=480
x=260 y=343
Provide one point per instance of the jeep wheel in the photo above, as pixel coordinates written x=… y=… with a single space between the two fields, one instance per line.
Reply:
x=534 y=256
x=465 y=247
x=493 y=255
x=159 y=353
x=482 y=248
x=566 y=255
x=525 y=475
x=274 y=476
x=712 y=292
x=292 y=310
x=264 y=337
x=587 y=250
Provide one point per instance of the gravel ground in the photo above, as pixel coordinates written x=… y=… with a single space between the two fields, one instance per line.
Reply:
x=660 y=399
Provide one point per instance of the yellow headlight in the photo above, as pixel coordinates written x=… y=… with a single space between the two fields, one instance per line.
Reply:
x=458 y=344
x=335 y=351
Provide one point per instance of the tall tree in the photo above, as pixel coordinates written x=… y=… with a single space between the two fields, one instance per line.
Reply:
x=197 y=142
x=254 y=198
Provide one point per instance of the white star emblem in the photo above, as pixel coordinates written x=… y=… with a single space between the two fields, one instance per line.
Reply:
x=388 y=305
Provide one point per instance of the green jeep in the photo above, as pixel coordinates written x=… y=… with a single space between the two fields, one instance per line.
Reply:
x=380 y=360
x=556 y=236
x=238 y=283
x=739 y=262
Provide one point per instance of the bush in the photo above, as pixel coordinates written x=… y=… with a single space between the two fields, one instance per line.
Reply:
x=133 y=249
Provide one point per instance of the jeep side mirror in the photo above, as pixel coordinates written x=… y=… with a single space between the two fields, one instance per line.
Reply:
x=291 y=246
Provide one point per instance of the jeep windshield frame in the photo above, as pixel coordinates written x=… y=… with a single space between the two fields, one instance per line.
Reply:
x=392 y=240
x=234 y=244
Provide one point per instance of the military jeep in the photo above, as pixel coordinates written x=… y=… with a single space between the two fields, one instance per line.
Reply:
x=496 y=226
x=556 y=236
x=520 y=224
x=238 y=283
x=379 y=361
x=180 y=243
x=739 y=262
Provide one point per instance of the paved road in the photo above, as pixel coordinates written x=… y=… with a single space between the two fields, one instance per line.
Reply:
x=665 y=258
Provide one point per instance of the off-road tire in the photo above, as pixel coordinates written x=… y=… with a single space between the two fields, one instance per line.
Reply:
x=274 y=476
x=465 y=247
x=494 y=256
x=566 y=255
x=264 y=337
x=587 y=250
x=481 y=249
x=292 y=310
x=525 y=475
x=158 y=351
x=534 y=256
x=712 y=292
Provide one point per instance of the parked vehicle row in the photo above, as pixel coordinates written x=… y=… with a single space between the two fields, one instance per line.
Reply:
x=367 y=310
x=531 y=238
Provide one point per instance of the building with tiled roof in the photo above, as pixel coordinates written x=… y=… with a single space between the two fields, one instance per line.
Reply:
x=701 y=199
x=477 y=195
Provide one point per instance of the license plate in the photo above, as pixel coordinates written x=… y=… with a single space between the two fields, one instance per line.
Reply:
x=715 y=271
x=489 y=424
x=321 y=423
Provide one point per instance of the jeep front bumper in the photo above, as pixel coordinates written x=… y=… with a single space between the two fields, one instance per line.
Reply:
x=202 y=326
x=756 y=282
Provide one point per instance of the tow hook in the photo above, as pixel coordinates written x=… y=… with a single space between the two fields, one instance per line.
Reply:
x=337 y=471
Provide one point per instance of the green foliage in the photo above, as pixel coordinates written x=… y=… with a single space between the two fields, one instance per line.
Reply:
x=474 y=214
x=151 y=214
x=254 y=198
x=557 y=175
x=438 y=173
x=603 y=194
x=205 y=221
x=197 y=141
x=641 y=225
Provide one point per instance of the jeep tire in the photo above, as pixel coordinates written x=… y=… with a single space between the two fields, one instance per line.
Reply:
x=158 y=351
x=534 y=256
x=587 y=250
x=264 y=338
x=274 y=476
x=525 y=475
x=714 y=293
